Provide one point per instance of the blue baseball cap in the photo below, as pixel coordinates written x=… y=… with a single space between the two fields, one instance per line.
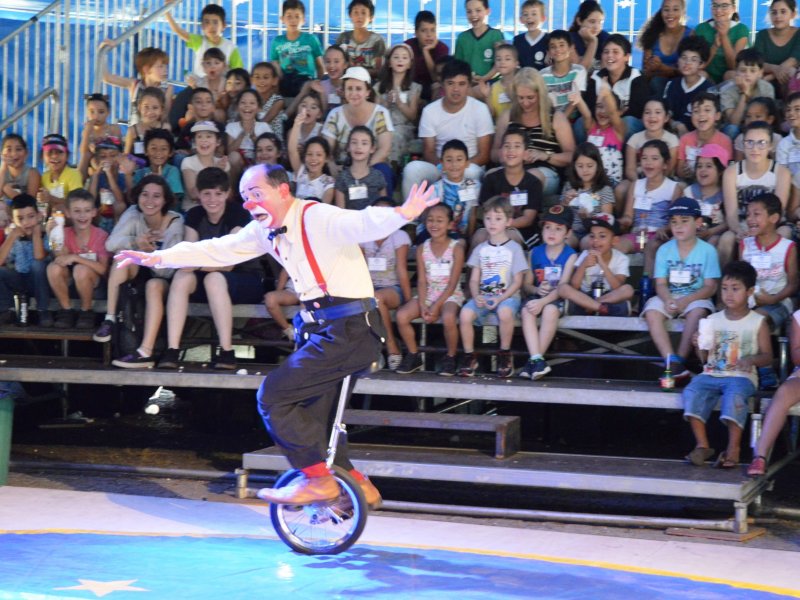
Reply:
x=685 y=207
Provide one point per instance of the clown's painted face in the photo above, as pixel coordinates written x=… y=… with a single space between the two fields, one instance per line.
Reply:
x=266 y=203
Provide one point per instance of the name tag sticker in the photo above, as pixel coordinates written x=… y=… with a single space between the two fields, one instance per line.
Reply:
x=440 y=269
x=519 y=199
x=596 y=140
x=552 y=274
x=503 y=98
x=57 y=191
x=706 y=209
x=357 y=192
x=762 y=260
x=692 y=152
x=106 y=197
x=403 y=96
x=642 y=202
x=468 y=194
x=680 y=276
x=138 y=147
x=88 y=255
x=334 y=99
x=376 y=263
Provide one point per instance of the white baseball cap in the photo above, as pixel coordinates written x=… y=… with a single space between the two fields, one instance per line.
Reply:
x=359 y=73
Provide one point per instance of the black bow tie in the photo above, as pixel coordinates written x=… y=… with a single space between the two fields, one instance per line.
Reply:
x=276 y=232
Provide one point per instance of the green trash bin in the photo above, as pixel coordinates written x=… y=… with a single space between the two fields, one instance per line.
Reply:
x=6 y=423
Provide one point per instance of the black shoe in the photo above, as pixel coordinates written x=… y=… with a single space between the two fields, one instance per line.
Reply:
x=226 y=361
x=468 y=366
x=170 y=359
x=65 y=319
x=85 y=320
x=134 y=361
x=45 y=319
x=505 y=364
x=448 y=366
x=540 y=369
x=411 y=362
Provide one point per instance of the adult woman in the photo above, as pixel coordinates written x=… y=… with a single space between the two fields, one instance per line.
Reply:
x=726 y=36
x=659 y=39
x=359 y=110
x=550 y=142
x=780 y=44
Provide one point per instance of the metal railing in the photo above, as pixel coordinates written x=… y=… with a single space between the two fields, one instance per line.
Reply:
x=51 y=114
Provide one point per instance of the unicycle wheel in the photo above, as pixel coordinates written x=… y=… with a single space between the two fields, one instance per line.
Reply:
x=325 y=527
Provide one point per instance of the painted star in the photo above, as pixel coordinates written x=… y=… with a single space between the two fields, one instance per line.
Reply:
x=103 y=588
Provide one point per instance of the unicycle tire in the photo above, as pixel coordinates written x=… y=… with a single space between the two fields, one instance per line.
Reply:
x=324 y=527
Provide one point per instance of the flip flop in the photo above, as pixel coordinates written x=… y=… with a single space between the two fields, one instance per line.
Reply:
x=699 y=456
x=723 y=462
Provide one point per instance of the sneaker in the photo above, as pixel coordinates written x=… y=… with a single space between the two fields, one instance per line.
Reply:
x=528 y=370
x=85 y=320
x=225 y=361
x=447 y=368
x=169 y=359
x=134 y=361
x=103 y=333
x=468 y=366
x=65 y=319
x=288 y=333
x=540 y=369
x=505 y=364
x=393 y=361
x=45 y=319
x=411 y=362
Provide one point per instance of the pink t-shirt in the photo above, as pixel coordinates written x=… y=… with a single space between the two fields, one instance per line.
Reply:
x=689 y=146
x=96 y=245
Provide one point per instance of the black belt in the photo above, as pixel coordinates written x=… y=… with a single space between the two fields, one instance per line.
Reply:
x=337 y=311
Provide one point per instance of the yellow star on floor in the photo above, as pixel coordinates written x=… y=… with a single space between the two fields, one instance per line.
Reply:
x=103 y=588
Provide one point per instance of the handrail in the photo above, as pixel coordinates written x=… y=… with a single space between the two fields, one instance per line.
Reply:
x=30 y=22
x=102 y=51
x=50 y=92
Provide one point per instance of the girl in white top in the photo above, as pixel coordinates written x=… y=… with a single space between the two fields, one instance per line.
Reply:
x=744 y=180
x=309 y=163
x=655 y=117
x=242 y=134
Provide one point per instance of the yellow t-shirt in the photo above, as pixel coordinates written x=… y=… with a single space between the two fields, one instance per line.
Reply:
x=70 y=179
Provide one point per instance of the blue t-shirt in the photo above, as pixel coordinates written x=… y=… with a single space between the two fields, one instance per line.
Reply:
x=545 y=269
x=298 y=56
x=171 y=173
x=531 y=55
x=580 y=45
x=679 y=98
x=687 y=276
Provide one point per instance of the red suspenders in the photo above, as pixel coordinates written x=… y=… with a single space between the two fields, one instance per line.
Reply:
x=312 y=260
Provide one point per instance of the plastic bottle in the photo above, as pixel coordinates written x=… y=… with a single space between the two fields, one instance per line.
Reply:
x=21 y=306
x=598 y=287
x=645 y=290
x=57 y=233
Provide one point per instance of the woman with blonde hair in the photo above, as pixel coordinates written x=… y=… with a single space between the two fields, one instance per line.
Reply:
x=549 y=139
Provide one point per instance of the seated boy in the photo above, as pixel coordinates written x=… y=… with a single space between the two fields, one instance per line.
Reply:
x=693 y=55
x=106 y=181
x=23 y=262
x=83 y=260
x=220 y=287
x=598 y=283
x=427 y=50
x=532 y=45
x=734 y=344
x=159 y=148
x=498 y=265
x=562 y=77
x=748 y=83
x=686 y=275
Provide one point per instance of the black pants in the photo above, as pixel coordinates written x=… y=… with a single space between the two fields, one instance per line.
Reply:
x=298 y=400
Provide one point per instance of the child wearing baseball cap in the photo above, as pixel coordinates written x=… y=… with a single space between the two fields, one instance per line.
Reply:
x=59 y=179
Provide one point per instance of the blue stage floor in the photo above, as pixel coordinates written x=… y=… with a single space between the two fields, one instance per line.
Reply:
x=61 y=544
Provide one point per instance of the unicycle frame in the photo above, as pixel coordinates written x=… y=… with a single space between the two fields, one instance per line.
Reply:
x=339 y=427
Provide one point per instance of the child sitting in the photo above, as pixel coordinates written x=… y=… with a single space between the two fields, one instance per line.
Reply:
x=59 y=179
x=220 y=287
x=588 y=35
x=150 y=107
x=359 y=184
x=705 y=118
x=532 y=45
x=107 y=181
x=387 y=260
x=364 y=48
x=296 y=55
x=16 y=177
x=82 y=261
x=457 y=191
x=439 y=291
x=497 y=94
x=475 y=46
x=202 y=108
x=95 y=129
x=686 y=275
x=215 y=65
x=498 y=266
x=309 y=162
x=243 y=132
x=23 y=261
x=748 y=83
x=427 y=48
x=587 y=190
x=310 y=107
x=693 y=54
x=236 y=81
x=788 y=151
x=158 y=147
x=266 y=82
x=733 y=345
x=598 y=283
x=759 y=109
x=207 y=138
x=655 y=119
x=551 y=266
x=562 y=77
x=707 y=190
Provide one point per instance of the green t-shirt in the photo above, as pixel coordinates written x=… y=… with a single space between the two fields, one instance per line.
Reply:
x=717 y=66
x=298 y=56
x=200 y=44
x=774 y=54
x=478 y=52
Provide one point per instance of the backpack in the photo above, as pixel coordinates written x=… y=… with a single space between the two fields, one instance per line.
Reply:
x=130 y=318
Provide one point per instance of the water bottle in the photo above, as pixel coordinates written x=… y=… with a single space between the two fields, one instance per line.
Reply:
x=21 y=307
x=645 y=290
x=598 y=288
x=57 y=233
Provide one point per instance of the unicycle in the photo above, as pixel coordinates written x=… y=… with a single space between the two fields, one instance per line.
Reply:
x=324 y=527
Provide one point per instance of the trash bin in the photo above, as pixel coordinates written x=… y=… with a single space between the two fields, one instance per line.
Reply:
x=6 y=423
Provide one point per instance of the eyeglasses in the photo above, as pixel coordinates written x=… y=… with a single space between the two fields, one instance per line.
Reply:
x=760 y=144
x=692 y=60
x=724 y=6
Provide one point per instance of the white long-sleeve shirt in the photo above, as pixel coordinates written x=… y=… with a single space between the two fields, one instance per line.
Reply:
x=333 y=234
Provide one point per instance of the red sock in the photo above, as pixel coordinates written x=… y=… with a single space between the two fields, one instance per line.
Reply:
x=358 y=475
x=318 y=470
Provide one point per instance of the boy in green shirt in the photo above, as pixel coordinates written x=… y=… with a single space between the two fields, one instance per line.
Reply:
x=297 y=55
x=475 y=46
x=212 y=24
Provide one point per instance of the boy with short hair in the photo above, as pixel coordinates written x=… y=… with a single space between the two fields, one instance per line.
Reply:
x=598 y=285
x=498 y=265
x=734 y=344
x=106 y=181
x=551 y=265
x=686 y=275
x=207 y=138
x=748 y=83
x=705 y=118
x=562 y=77
x=212 y=24
x=23 y=261
x=475 y=46
x=83 y=260
x=220 y=287
x=788 y=151
x=457 y=191
x=296 y=54
x=427 y=50
x=680 y=93
x=202 y=109
x=532 y=45
x=159 y=148
x=363 y=47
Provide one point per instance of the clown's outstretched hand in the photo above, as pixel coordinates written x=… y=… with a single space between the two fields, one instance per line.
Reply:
x=134 y=257
x=419 y=198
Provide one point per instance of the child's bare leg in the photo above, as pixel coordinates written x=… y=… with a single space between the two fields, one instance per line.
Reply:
x=85 y=282
x=58 y=278
x=549 y=326
x=621 y=294
x=530 y=331
x=275 y=301
x=465 y=320
x=404 y=315
x=785 y=398
x=578 y=298
x=690 y=326
x=388 y=299
x=658 y=331
x=116 y=277
x=726 y=247
x=450 y=325
x=650 y=249
x=219 y=301
x=699 y=432
x=624 y=245
x=183 y=284
x=506 y=317
x=155 y=292
x=734 y=441
x=620 y=197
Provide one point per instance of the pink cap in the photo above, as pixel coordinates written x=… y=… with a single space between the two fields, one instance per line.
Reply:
x=716 y=151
